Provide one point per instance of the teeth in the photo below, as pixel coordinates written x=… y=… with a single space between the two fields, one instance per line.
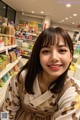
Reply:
x=55 y=65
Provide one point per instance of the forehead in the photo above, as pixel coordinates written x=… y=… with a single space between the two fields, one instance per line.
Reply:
x=60 y=41
x=55 y=41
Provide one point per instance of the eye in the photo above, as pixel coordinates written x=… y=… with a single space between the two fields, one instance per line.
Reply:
x=45 y=52
x=62 y=51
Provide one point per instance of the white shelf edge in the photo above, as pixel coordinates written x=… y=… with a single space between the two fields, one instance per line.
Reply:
x=9 y=67
x=27 y=40
x=7 y=47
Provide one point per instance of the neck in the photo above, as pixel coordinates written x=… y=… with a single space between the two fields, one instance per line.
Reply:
x=44 y=82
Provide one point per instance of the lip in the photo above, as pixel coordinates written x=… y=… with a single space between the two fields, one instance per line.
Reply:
x=55 y=66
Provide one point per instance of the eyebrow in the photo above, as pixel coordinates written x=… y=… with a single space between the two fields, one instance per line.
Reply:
x=62 y=46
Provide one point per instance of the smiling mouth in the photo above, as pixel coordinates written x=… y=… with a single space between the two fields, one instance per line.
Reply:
x=54 y=67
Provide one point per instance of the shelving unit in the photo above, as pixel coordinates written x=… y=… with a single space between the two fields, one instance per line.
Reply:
x=4 y=87
x=75 y=75
x=5 y=50
x=7 y=35
x=9 y=67
x=25 y=51
x=3 y=92
x=32 y=34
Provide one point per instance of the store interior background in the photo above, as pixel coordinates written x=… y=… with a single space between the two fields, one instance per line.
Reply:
x=44 y=13
x=63 y=13
x=54 y=12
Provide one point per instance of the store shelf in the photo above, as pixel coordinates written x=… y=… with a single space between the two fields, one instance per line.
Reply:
x=28 y=40
x=7 y=35
x=9 y=67
x=33 y=34
x=6 y=48
x=25 y=56
x=23 y=61
x=4 y=87
x=28 y=33
x=3 y=91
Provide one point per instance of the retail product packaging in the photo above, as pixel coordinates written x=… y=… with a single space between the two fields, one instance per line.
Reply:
x=12 y=56
x=1 y=83
x=5 y=20
x=1 y=43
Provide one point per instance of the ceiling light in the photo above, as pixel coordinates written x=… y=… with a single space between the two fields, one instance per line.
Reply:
x=74 y=14
x=32 y=11
x=62 y=20
x=68 y=5
x=66 y=18
x=42 y=12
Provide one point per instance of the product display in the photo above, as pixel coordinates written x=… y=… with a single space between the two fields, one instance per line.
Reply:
x=25 y=45
x=26 y=48
x=74 y=70
x=9 y=57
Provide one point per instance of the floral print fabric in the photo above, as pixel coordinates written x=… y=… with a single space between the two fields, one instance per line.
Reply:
x=62 y=106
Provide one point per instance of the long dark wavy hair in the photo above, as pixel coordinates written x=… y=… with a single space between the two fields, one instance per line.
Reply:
x=33 y=66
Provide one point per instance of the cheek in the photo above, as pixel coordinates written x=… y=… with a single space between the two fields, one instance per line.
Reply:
x=67 y=58
x=43 y=59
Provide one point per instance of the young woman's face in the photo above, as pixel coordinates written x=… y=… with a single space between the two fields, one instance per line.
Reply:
x=55 y=59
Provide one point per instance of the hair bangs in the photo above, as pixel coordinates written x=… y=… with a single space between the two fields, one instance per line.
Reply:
x=49 y=40
x=52 y=40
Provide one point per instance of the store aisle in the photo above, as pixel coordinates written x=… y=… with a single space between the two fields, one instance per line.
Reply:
x=23 y=61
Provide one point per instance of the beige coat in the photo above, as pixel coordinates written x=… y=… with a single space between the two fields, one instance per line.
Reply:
x=47 y=106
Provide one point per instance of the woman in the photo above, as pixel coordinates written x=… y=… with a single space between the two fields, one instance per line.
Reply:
x=42 y=90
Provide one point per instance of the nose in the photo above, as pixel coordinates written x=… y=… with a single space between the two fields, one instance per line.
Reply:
x=54 y=56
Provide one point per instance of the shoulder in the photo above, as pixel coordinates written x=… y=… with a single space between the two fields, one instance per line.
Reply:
x=22 y=75
x=70 y=88
x=70 y=95
x=72 y=83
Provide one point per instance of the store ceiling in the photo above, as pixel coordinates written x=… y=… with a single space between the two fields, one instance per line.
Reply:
x=56 y=9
